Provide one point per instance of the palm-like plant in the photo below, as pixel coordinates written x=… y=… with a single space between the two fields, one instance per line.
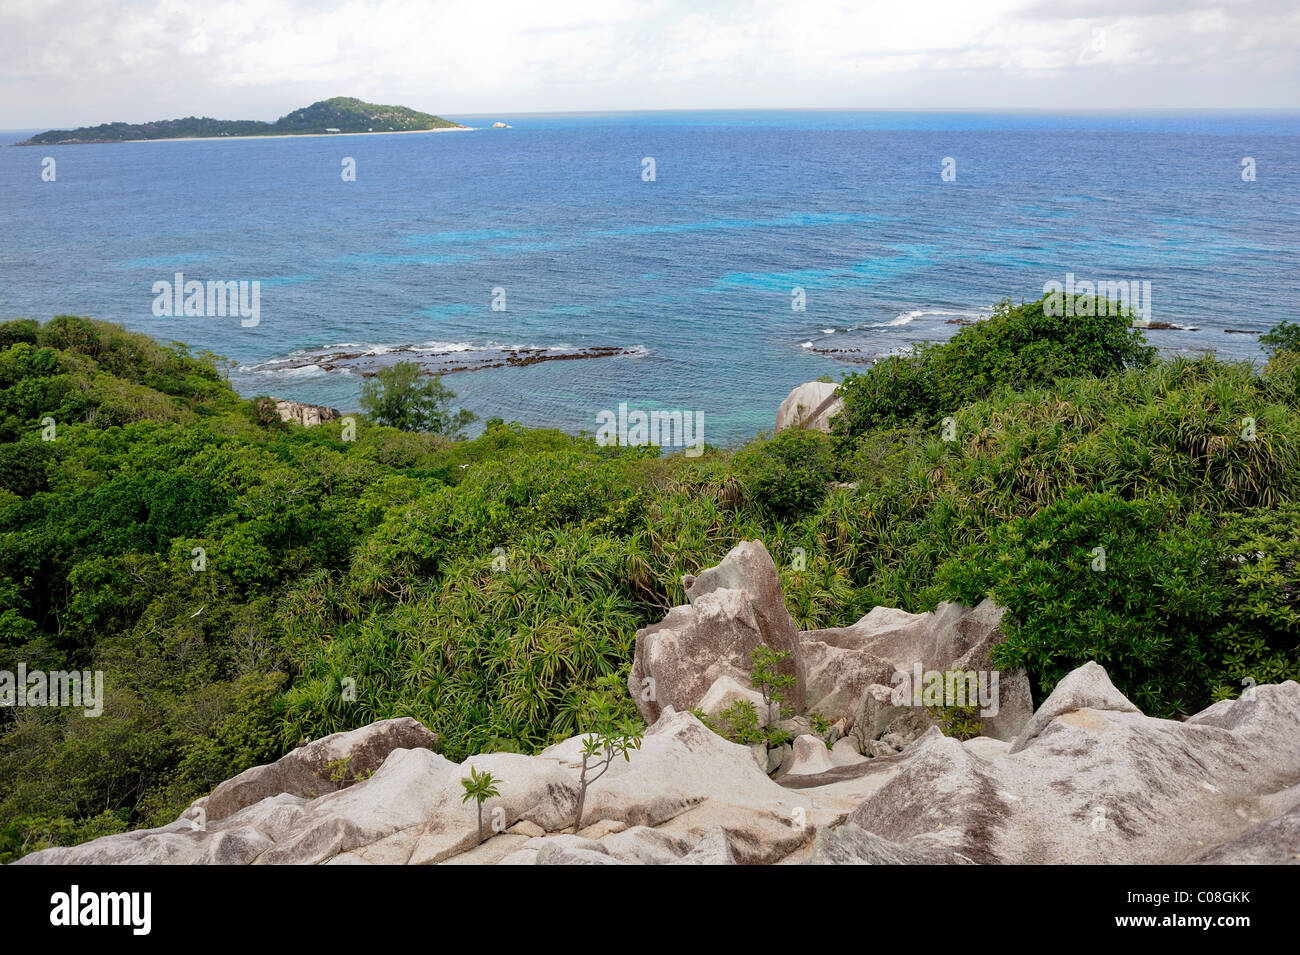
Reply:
x=480 y=787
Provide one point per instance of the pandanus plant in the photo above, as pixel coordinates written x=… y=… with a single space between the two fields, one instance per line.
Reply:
x=480 y=787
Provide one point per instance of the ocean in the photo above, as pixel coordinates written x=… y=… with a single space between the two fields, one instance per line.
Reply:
x=670 y=284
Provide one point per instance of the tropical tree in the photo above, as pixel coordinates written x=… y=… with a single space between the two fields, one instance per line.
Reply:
x=403 y=397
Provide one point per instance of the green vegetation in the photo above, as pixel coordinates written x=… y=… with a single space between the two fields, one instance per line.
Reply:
x=480 y=787
x=402 y=397
x=737 y=722
x=766 y=678
x=615 y=733
x=740 y=723
x=1281 y=338
x=822 y=727
x=343 y=114
x=492 y=588
x=340 y=771
x=787 y=476
x=1016 y=348
x=960 y=721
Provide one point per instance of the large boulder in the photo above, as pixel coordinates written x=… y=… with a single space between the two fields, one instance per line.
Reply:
x=734 y=608
x=811 y=405
x=839 y=676
x=303 y=414
x=877 y=713
x=810 y=756
x=321 y=766
x=901 y=639
x=678 y=660
x=1088 y=687
x=853 y=671
x=679 y=765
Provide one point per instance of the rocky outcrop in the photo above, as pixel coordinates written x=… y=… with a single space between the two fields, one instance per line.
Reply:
x=811 y=405
x=734 y=608
x=858 y=671
x=1085 y=688
x=1098 y=784
x=1093 y=780
x=306 y=415
x=865 y=679
x=867 y=776
x=318 y=767
x=686 y=795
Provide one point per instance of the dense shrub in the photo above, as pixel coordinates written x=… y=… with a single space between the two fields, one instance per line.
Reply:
x=403 y=397
x=1180 y=611
x=786 y=475
x=1017 y=347
x=18 y=330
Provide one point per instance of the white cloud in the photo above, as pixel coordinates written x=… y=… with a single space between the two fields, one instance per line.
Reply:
x=70 y=62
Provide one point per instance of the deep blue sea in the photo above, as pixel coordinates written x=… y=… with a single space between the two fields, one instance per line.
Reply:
x=691 y=275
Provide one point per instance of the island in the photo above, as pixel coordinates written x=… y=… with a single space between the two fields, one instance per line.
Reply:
x=342 y=114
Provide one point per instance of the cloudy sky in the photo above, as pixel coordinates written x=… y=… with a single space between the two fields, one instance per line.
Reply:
x=75 y=62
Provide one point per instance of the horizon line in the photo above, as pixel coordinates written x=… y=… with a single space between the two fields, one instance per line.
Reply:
x=794 y=109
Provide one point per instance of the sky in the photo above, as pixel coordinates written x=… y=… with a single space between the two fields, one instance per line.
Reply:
x=66 y=63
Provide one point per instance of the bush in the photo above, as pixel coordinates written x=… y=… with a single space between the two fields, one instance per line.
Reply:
x=1017 y=347
x=70 y=333
x=23 y=464
x=18 y=330
x=1280 y=338
x=787 y=475
x=1177 y=607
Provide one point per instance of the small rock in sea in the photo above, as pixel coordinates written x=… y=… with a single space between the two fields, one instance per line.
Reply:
x=1168 y=327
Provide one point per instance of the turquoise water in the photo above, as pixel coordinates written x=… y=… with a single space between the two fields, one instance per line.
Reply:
x=690 y=276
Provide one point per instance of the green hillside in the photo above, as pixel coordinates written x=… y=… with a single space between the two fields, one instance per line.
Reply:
x=492 y=588
x=345 y=114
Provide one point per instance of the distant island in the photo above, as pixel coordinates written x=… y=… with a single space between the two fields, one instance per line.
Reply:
x=342 y=114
